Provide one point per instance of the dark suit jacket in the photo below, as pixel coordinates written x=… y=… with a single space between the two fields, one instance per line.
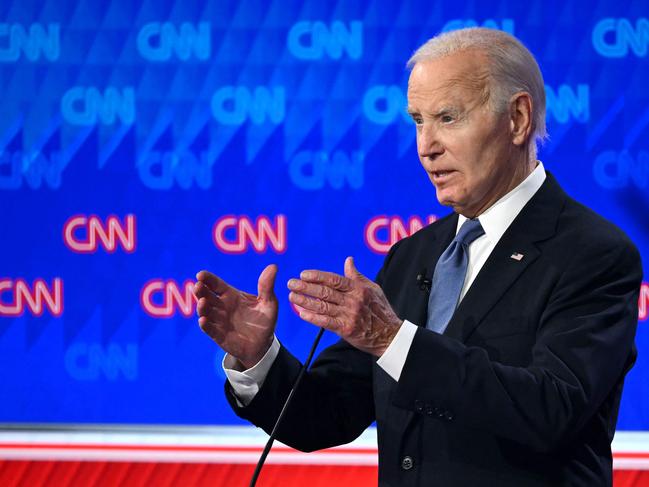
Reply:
x=524 y=386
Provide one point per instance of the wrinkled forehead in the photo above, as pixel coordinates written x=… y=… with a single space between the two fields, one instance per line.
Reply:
x=462 y=76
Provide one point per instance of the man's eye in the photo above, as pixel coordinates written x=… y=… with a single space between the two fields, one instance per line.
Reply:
x=447 y=119
x=418 y=120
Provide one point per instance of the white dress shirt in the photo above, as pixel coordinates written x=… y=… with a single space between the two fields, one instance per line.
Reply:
x=495 y=221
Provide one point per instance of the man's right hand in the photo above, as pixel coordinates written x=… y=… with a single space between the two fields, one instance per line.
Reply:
x=240 y=323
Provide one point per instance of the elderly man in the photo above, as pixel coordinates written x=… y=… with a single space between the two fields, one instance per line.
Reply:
x=506 y=367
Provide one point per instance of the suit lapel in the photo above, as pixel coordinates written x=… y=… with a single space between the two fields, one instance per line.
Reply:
x=536 y=222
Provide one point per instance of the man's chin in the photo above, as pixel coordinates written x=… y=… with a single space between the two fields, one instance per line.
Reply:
x=453 y=204
x=445 y=199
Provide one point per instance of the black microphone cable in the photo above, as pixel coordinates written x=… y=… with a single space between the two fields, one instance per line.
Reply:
x=269 y=443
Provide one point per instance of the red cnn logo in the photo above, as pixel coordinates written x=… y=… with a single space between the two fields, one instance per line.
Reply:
x=161 y=298
x=109 y=234
x=233 y=235
x=382 y=231
x=34 y=300
x=643 y=302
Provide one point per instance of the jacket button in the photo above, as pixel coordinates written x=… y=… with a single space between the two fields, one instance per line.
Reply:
x=419 y=406
x=407 y=462
x=429 y=411
x=449 y=416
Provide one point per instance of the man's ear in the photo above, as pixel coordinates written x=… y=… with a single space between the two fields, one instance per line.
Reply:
x=520 y=118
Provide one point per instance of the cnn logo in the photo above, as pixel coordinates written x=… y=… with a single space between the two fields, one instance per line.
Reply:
x=35 y=299
x=163 y=298
x=86 y=234
x=382 y=232
x=237 y=234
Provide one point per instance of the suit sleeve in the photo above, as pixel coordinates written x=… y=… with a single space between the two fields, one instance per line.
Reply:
x=584 y=346
x=333 y=405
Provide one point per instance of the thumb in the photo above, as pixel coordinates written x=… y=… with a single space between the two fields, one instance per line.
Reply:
x=350 y=270
x=266 y=283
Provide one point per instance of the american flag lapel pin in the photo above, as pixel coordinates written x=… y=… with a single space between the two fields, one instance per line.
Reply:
x=517 y=256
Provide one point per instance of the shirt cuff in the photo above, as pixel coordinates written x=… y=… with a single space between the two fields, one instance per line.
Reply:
x=246 y=383
x=394 y=357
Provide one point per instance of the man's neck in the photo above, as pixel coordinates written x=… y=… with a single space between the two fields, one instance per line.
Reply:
x=520 y=174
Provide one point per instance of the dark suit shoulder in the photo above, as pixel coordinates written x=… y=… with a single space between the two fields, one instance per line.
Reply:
x=591 y=231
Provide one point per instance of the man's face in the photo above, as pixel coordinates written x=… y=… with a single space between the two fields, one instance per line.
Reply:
x=464 y=146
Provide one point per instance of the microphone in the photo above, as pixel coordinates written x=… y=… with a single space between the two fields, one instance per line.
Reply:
x=424 y=283
x=271 y=439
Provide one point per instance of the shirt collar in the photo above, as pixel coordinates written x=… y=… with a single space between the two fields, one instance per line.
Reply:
x=497 y=218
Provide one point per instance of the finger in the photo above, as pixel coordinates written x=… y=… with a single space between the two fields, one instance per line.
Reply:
x=201 y=290
x=313 y=304
x=266 y=283
x=207 y=322
x=215 y=329
x=205 y=307
x=217 y=317
x=203 y=293
x=316 y=290
x=323 y=321
x=210 y=328
x=330 y=279
x=350 y=270
x=215 y=283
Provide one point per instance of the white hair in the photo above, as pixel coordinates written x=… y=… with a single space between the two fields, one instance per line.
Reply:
x=512 y=69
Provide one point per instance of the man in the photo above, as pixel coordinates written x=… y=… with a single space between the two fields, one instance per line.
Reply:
x=509 y=369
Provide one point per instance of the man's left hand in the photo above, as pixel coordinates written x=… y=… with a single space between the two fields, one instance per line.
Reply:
x=352 y=306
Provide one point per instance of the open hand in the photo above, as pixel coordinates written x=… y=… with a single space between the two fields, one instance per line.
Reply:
x=240 y=323
x=352 y=306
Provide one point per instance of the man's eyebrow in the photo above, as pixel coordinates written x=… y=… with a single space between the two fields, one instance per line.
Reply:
x=445 y=110
x=448 y=110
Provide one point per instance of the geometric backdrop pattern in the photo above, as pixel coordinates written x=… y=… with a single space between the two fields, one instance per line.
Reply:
x=143 y=141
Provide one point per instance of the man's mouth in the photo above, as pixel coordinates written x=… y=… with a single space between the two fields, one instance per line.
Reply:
x=441 y=175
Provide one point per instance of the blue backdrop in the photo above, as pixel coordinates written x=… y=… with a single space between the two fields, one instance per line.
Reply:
x=141 y=142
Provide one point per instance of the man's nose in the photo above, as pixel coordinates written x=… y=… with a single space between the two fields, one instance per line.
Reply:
x=428 y=143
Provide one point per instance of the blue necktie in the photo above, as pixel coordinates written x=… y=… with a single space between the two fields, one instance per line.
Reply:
x=448 y=279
